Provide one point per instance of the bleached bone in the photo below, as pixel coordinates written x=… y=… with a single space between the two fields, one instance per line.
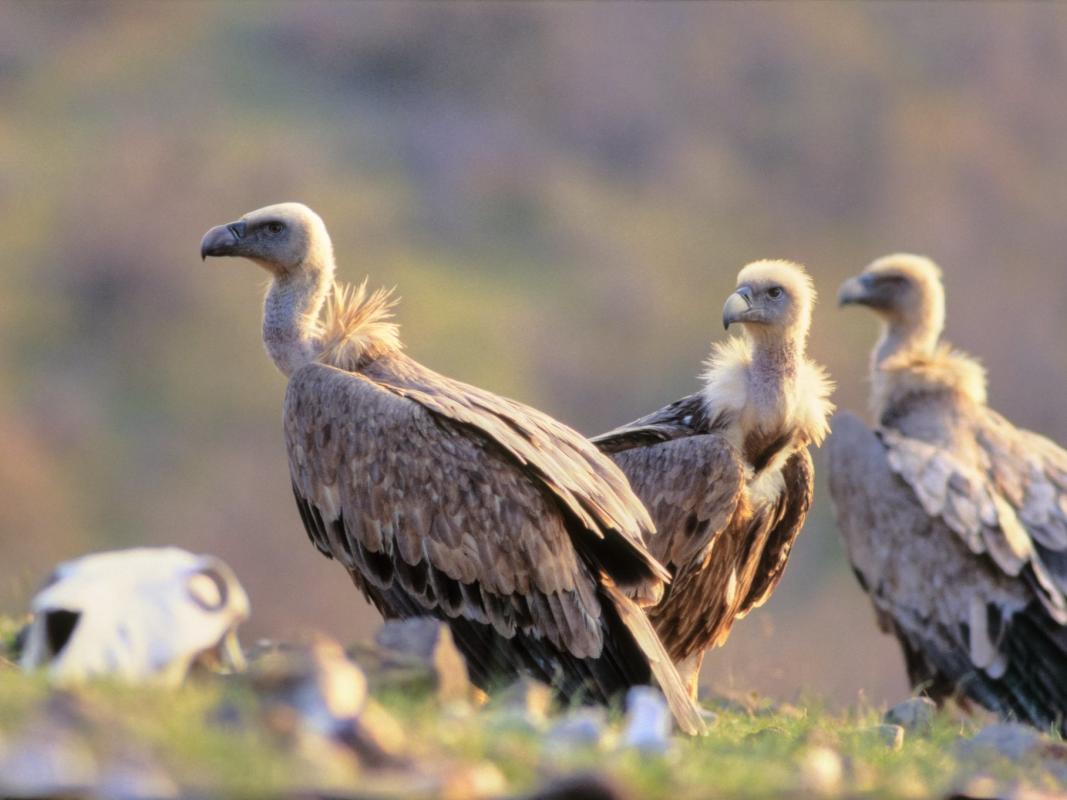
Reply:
x=139 y=615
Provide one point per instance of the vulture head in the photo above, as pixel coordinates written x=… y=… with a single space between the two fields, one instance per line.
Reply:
x=284 y=239
x=773 y=298
x=905 y=290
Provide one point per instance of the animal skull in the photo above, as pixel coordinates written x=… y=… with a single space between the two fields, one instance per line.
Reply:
x=140 y=615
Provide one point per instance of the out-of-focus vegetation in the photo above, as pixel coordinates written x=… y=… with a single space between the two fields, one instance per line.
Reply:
x=226 y=737
x=562 y=194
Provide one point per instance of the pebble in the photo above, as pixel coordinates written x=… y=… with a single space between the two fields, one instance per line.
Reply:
x=821 y=770
x=892 y=736
x=915 y=714
x=648 y=722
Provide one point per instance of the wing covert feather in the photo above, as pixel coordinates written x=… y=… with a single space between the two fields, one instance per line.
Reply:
x=589 y=485
x=1001 y=490
x=691 y=486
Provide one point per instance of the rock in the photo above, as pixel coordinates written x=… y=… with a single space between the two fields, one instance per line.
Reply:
x=1009 y=739
x=320 y=684
x=319 y=693
x=1016 y=742
x=892 y=736
x=581 y=728
x=426 y=643
x=132 y=775
x=50 y=754
x=471 y=781
x=525 y=704
x=821 y=770
x=377 y=738
x=648 y=721
x=915 y=715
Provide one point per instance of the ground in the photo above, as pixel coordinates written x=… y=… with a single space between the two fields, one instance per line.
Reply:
x=239 y=735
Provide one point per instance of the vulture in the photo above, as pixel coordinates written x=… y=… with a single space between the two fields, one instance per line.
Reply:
x=725 y=472
x=955 y=520
x=441 y=499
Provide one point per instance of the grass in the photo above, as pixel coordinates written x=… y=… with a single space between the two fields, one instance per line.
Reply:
x=218 y=735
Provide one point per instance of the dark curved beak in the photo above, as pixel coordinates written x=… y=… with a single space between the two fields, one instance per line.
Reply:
x=854 y=291
x=738 y=305
x=222 y=240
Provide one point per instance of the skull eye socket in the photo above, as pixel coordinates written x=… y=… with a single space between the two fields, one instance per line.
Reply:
x=208 y=589
x=59 y=628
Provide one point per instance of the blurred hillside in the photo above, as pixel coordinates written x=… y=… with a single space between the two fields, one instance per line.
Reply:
x=562 y=193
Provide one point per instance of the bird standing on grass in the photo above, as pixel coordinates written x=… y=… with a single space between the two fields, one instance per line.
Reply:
x=725 y=472
x=442 y=499
x=955 y=520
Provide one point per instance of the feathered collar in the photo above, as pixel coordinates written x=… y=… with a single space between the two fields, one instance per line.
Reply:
x=945 y=370
x=356 y=327
x=806 y=405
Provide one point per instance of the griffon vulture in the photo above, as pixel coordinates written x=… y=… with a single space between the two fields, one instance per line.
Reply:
x=725 y=472
x=442 y=499
x=955 y=520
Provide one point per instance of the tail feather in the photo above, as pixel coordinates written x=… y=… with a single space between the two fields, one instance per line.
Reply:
x=685 y=711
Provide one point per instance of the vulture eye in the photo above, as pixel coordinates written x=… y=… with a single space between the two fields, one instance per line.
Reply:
x=774 y=292
x=274 y=228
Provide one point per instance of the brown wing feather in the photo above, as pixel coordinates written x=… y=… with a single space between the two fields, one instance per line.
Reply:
x=682 y=418
x=691 y=486
x=588 y=484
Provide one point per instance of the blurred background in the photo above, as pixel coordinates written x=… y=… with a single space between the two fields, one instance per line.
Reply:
x=562 y=193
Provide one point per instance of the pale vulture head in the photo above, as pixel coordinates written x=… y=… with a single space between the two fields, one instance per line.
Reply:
x=284 y=239
x=773 y=299
x=142 y=615
x=905 y=290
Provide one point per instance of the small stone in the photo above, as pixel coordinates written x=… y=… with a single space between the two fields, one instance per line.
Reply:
x=316 y=688
x=426 y=642
x=583 y=727
x=648 y=720
x=821 y=770
x=471 y=781
x=526 y=697
x=133 y=775
x=1009 y=739
x=46 y=758
x=892 y=736
x=377 y=738
x=916 y=714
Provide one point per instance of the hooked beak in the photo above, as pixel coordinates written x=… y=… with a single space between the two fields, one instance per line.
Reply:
x=854 y=291
x=737 y=308
x=222 y=239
